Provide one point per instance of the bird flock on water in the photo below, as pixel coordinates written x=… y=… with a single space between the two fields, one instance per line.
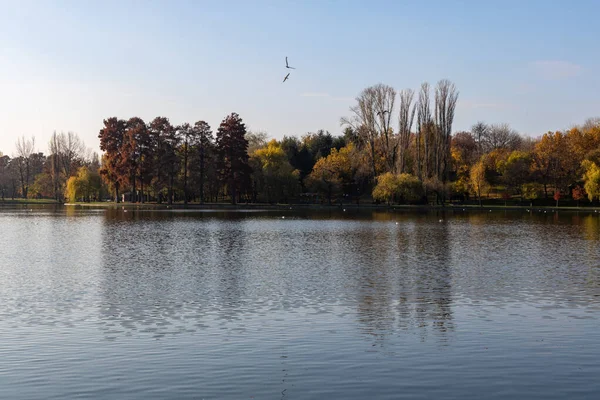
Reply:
x=288 y=67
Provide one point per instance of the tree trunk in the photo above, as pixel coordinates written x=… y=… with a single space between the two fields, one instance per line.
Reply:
x=170 y=193
x=202 y=175
x=185 y=168
x=133 y=196
x=373 y=159
x=233 y=194
x=116 y=192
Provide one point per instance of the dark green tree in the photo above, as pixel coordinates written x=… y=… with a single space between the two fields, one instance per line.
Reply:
x=232 y=150
x=166 y=162
x=203 y=152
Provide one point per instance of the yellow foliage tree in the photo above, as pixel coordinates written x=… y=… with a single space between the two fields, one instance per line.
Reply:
x=85 y=186
x=477 y=178
x=404 y=186
x=273 y=172
x=462 y=170
x=387 y=187
x=331 y=172
x=553 y=162
x=591 y=178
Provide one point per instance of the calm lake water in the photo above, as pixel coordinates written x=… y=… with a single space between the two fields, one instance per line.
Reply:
x=108 y=304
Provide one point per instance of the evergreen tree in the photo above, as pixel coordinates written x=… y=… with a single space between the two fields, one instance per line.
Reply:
x=203 y=151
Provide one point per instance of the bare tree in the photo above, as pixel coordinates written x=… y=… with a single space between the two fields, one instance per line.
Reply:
x=405 y=123
x=371 y=120
x=55 y=166
x=67 y=154
x=4 y=164
x=479 y=132
x=385 y=97
x=256 y=140
x=25 y=149
x=591 y=123
x=363 y=122
x=424 y=123
x=446 y=97
x=71 y=150
x=500 y=136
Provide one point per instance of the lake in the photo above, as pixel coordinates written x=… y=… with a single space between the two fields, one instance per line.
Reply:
x=297 y=304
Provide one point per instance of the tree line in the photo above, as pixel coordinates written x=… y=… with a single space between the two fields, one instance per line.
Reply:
x=34 y=175
x=396 y=147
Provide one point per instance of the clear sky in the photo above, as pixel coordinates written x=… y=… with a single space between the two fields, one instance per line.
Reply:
x=67 y=65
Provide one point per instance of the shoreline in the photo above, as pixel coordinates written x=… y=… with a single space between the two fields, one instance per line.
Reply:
x=266 y=207
x=381 y=207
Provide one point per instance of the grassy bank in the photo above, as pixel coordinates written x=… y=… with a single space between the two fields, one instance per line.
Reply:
x=27 y=201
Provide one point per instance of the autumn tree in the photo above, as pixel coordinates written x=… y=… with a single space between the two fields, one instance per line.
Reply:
x=134 y=153
x=85 y=186
x=273 y=172
x=410 y=188
x=516 y=170
x=578 y=193
x=591 y=178
x=478 y=180
x=582 y=140
x=463 y=154
x=557 y=196
x=331 y=173
x=111 y=139
x=232 y=149
x=386 y=188
x=532 y=191
x=552 y=163
x=403 y=187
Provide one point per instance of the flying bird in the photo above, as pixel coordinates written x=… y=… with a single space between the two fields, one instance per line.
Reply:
x=287 y=65
x=286 y=77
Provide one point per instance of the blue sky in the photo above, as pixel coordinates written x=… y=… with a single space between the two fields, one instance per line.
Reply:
x=67 y=65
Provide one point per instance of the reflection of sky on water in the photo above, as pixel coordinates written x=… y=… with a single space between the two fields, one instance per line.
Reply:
x=353 y=300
